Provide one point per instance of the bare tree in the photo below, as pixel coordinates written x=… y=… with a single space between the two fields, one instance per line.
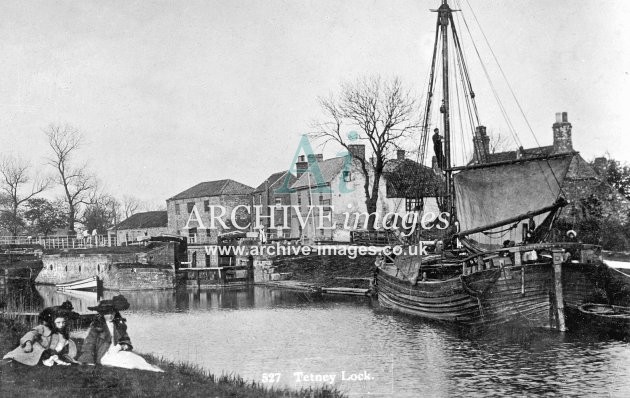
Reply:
x=382 y=113
x=152 y=205
x=76 y=182
x=499 y=142
x=130 y=205
x=17 y=187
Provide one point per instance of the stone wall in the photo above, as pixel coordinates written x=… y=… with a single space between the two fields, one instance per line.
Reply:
x=128 y=277
x=117 y=272
x=198 y=259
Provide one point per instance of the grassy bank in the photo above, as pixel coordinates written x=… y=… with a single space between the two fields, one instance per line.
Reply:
x=178 y=380
x=328 y=271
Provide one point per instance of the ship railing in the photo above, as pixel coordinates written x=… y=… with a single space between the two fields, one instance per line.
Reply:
x=529 y=254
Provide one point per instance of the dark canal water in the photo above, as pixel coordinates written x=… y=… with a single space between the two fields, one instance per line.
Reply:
x=288 y=338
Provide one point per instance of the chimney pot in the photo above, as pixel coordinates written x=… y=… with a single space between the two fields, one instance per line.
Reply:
x=565 y=117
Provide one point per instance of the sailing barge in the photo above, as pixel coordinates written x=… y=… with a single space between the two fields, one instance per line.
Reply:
x=498 y=264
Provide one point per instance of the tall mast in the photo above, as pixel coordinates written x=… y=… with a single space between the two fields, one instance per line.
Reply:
x=444 y=15
x=444 y=19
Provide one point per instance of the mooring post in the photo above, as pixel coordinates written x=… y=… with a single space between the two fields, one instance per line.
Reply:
x=557 y=275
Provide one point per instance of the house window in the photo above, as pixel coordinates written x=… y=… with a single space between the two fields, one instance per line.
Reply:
x=325 y=202
x=190 y=206
x=208 y=233
x=192 y=235
x=299 y=200
x=207 y=260
x=260 y=199
x=413 y=204
x=346 y=175
x=177 y=209
x=278 y=201
x=206 y=206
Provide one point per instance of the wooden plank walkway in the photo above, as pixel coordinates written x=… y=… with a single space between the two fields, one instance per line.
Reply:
x=346 y=290
x=293 y=285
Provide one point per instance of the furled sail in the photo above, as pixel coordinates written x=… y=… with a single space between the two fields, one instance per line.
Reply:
x=491 y=194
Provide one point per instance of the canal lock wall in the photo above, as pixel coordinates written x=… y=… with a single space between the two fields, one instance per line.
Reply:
x=132 y=271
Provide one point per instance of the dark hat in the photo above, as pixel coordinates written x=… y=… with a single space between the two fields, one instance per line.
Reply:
x=436 y=129
x=117 y=303
x=65 y=310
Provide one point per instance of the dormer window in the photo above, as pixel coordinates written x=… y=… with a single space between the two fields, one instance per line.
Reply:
x=347 y=176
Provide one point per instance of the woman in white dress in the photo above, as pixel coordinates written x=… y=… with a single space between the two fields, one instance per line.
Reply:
x=107 y=342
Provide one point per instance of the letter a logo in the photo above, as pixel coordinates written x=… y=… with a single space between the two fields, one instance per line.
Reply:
x=313 y=169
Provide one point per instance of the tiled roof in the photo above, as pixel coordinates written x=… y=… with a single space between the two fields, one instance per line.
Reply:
x=214 y=188
x=330 y=169
x=149 y=219
x=525 y=153
x=409 y=179
x=272 y=179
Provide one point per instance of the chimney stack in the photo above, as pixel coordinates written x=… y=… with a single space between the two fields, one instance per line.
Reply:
x=301 y=165
x=357 y=151
x=481 y=144
x=562 y=142
x=400 y=154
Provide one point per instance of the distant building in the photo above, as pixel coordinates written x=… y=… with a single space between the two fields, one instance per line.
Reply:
x=139 y=226
x=191 y=214
x=204 y=198
x=269 y=195
x=405 y=187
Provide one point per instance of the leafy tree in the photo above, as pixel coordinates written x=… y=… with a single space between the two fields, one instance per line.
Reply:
x=102 y=213
x=43 y=216
x=615 y=173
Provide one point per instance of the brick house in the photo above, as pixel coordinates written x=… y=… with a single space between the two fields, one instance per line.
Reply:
x=190 y=215
x=140 y=225
x=344 y=181
x=269 y=195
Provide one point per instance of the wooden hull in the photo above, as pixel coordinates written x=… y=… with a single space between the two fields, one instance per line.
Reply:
x=90 y=283
x=524 y=294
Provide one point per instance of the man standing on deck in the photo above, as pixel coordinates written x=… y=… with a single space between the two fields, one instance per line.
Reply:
x=437 y=147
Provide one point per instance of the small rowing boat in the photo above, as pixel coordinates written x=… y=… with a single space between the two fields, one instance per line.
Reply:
x=81 y=284
x=611 y=317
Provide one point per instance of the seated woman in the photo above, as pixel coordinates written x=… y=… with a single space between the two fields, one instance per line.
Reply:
x=48 y=343
x=107 y=342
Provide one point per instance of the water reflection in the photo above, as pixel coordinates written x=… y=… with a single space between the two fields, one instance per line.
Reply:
x=259 y=331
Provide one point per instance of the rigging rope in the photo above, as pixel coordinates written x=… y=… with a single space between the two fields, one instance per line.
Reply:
x=495 y=93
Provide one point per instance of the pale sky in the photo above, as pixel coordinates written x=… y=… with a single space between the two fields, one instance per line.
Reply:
x=172 y=93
